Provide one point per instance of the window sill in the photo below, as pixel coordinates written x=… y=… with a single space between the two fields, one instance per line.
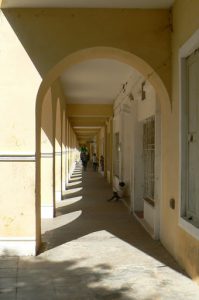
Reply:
x=189 y=227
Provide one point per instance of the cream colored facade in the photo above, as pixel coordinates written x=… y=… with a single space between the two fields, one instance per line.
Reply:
x=41 y=130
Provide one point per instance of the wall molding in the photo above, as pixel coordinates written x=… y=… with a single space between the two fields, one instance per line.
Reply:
x=22 y=246
x=18 y=157
x=46 y=155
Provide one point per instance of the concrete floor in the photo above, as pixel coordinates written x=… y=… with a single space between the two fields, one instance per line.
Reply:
x=92 y=250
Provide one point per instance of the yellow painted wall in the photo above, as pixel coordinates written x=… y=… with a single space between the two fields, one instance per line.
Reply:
x=72 y=155
x=58 y=99
x=19 y=82
x=59 y=137
x=67 y=150
x=47 y=157
x=18 y=218
x=64 y=177
x=57 y=150
x=184 y=247
x=32 y=42
x=36 y=40
x=49 y=35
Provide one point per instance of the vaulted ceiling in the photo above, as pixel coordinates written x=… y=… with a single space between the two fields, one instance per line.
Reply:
x=95 y=81
x=88 y=119
x=90 y=89
x=92 y=86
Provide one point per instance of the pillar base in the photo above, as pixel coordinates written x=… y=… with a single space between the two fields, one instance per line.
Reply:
x=58 y=196
x=13 y=246
x=47 y=212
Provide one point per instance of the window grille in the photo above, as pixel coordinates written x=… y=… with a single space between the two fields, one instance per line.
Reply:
x=149 y=157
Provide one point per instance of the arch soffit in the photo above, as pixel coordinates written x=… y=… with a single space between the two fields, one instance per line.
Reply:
x=107 y=53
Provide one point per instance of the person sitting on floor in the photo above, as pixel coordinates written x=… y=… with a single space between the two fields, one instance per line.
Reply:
x=118 y=192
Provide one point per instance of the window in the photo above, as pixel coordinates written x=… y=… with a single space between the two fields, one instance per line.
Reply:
x=189 y=136
x=149 y=157
x=191 y=144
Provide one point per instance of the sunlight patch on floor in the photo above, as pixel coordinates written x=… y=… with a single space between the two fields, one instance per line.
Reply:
x=71 y=191
x=74 y=183
x=69 y=201
x=75 y=178
x=114 y=252
x=75 y=174
x=62 y=220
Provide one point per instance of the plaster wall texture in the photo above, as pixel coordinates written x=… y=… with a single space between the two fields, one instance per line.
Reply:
x=17 y=138
x=72 y=150
x=182 y=245
x=49 y=35
x=58 y=161
x=109 y=156
x=66 y=162
x=47 y=205
x=53 y=169
x=17 y=93
x=129 y=115
x=63 y=150
x=102 y=141
x=147 y=107
x=126 y=148
x=58 y=99
x=17 y=199
x=36 y=40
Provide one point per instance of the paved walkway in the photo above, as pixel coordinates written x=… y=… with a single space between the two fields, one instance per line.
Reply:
x=94 y=250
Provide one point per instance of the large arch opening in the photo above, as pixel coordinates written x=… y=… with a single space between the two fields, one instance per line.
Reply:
x=148 y=75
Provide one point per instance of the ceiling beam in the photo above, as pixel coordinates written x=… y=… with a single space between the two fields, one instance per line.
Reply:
x=86 y=133
x=89 y=110
x=87 y=122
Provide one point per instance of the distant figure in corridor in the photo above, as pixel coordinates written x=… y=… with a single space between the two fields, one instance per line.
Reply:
x=95 y=162
x=88 y=156
x=84 y=159
x=102 y=163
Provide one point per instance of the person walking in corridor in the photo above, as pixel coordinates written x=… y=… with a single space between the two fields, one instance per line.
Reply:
x=95 y=162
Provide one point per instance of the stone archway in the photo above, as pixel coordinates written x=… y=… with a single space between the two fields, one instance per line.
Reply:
x=96 y=53
x=109 y=53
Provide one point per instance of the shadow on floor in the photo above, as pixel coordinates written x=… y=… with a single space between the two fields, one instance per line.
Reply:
x=91 y=213
x=40 y=278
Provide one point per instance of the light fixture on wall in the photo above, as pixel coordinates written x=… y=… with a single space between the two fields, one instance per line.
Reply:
x=124 y=87
x=131 y=97
x=143 y=91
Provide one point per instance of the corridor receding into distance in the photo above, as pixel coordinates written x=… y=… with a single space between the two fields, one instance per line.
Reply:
x=94 y=249
x=99 y=159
